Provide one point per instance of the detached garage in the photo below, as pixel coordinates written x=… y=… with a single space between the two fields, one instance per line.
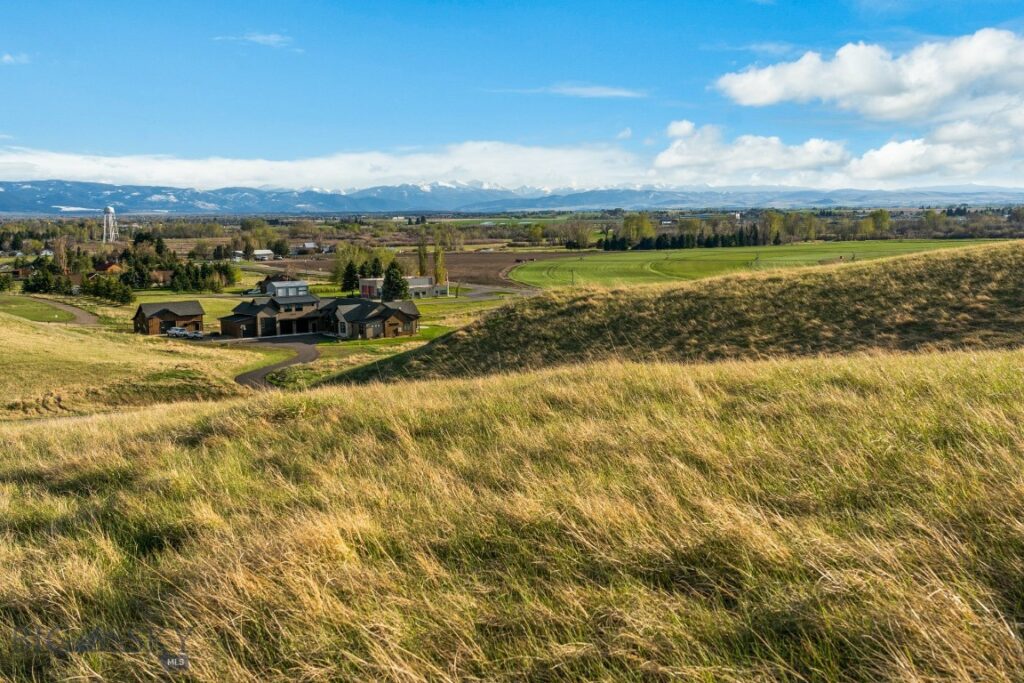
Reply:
x=159 y=317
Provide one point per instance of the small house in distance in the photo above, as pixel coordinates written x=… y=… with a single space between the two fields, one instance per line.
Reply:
x=157 y=318
x=419 y=287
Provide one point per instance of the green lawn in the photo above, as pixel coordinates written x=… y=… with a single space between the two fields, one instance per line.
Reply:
x=33 y=310
x=641 y=267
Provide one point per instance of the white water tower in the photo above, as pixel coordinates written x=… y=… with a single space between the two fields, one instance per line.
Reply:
x=109 y=225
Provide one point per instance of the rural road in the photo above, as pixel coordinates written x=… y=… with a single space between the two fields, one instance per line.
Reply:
x=305 y=352
x=82 y=316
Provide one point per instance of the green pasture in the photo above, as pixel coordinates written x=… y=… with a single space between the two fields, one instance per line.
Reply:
x=642 y=267
x=30 y=309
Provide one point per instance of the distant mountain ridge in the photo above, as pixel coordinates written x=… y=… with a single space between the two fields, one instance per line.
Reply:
x=60 y=197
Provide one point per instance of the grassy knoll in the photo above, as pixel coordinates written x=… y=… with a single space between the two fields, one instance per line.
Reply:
x=645 y=267
x=971 y=297
x=67 y=370
x=31 y=309
x=852 y=518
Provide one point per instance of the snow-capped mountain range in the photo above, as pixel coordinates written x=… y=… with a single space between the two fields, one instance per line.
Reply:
x=59 y=197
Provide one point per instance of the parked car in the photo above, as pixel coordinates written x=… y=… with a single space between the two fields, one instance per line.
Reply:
x=195 y=335
x=177 y=332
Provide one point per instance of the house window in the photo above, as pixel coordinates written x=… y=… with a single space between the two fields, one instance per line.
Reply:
x=299 y=307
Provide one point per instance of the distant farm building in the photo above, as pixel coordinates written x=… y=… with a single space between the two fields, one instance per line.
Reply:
x=161 y=277
x=419 y=287
x=112 y=268
x=157 y=318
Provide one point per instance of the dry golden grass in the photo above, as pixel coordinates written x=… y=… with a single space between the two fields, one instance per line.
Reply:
x=833 y=519
x=49 y=370
x=960 y=298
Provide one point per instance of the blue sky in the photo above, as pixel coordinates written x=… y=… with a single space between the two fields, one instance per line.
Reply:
x=345 y=94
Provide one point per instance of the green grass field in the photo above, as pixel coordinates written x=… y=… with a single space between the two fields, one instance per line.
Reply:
x=642 y=267
x=33 y=310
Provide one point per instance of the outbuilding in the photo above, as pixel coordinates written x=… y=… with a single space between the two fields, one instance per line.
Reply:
x=157 y=318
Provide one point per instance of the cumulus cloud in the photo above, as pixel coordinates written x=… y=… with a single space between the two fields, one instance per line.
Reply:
x=8 y=58
x=965 y=93
x=490 y=162
x=869 y=79
x=703 y=152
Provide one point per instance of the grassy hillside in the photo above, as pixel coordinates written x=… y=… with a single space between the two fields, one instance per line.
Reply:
x=644 y=267
x=50 y=370
x=971 y=297
x=844 y=519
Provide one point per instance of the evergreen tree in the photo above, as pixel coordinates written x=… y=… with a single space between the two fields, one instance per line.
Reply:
x=395 y=287
x=350 y=278
x=376 y=267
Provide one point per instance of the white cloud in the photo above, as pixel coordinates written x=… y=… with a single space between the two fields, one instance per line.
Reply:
x=274 y=40
x=8 y=58
x=624 y=134
x=967 y=94
x=680 y=129
x=697 y=154
x=497 y=163
x=870 y=80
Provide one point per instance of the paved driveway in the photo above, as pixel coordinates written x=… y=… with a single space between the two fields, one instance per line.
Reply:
x=305 y=349
x=82 y=316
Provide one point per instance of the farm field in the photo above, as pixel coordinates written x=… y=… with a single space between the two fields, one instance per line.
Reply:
x=30 y=309
x=641 y=267
x=488 y=268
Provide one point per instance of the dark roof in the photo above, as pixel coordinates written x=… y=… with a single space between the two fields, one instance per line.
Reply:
x=407 y=307
x=359 y=310
x=253 y=307
x=182 y=308
x=236 y=318
x=301 y=299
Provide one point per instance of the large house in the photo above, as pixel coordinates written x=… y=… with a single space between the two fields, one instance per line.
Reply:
x=289 y=308
x=419 y=287
x=159 y=317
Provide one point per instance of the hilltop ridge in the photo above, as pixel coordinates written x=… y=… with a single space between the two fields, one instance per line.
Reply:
x=959 y=298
